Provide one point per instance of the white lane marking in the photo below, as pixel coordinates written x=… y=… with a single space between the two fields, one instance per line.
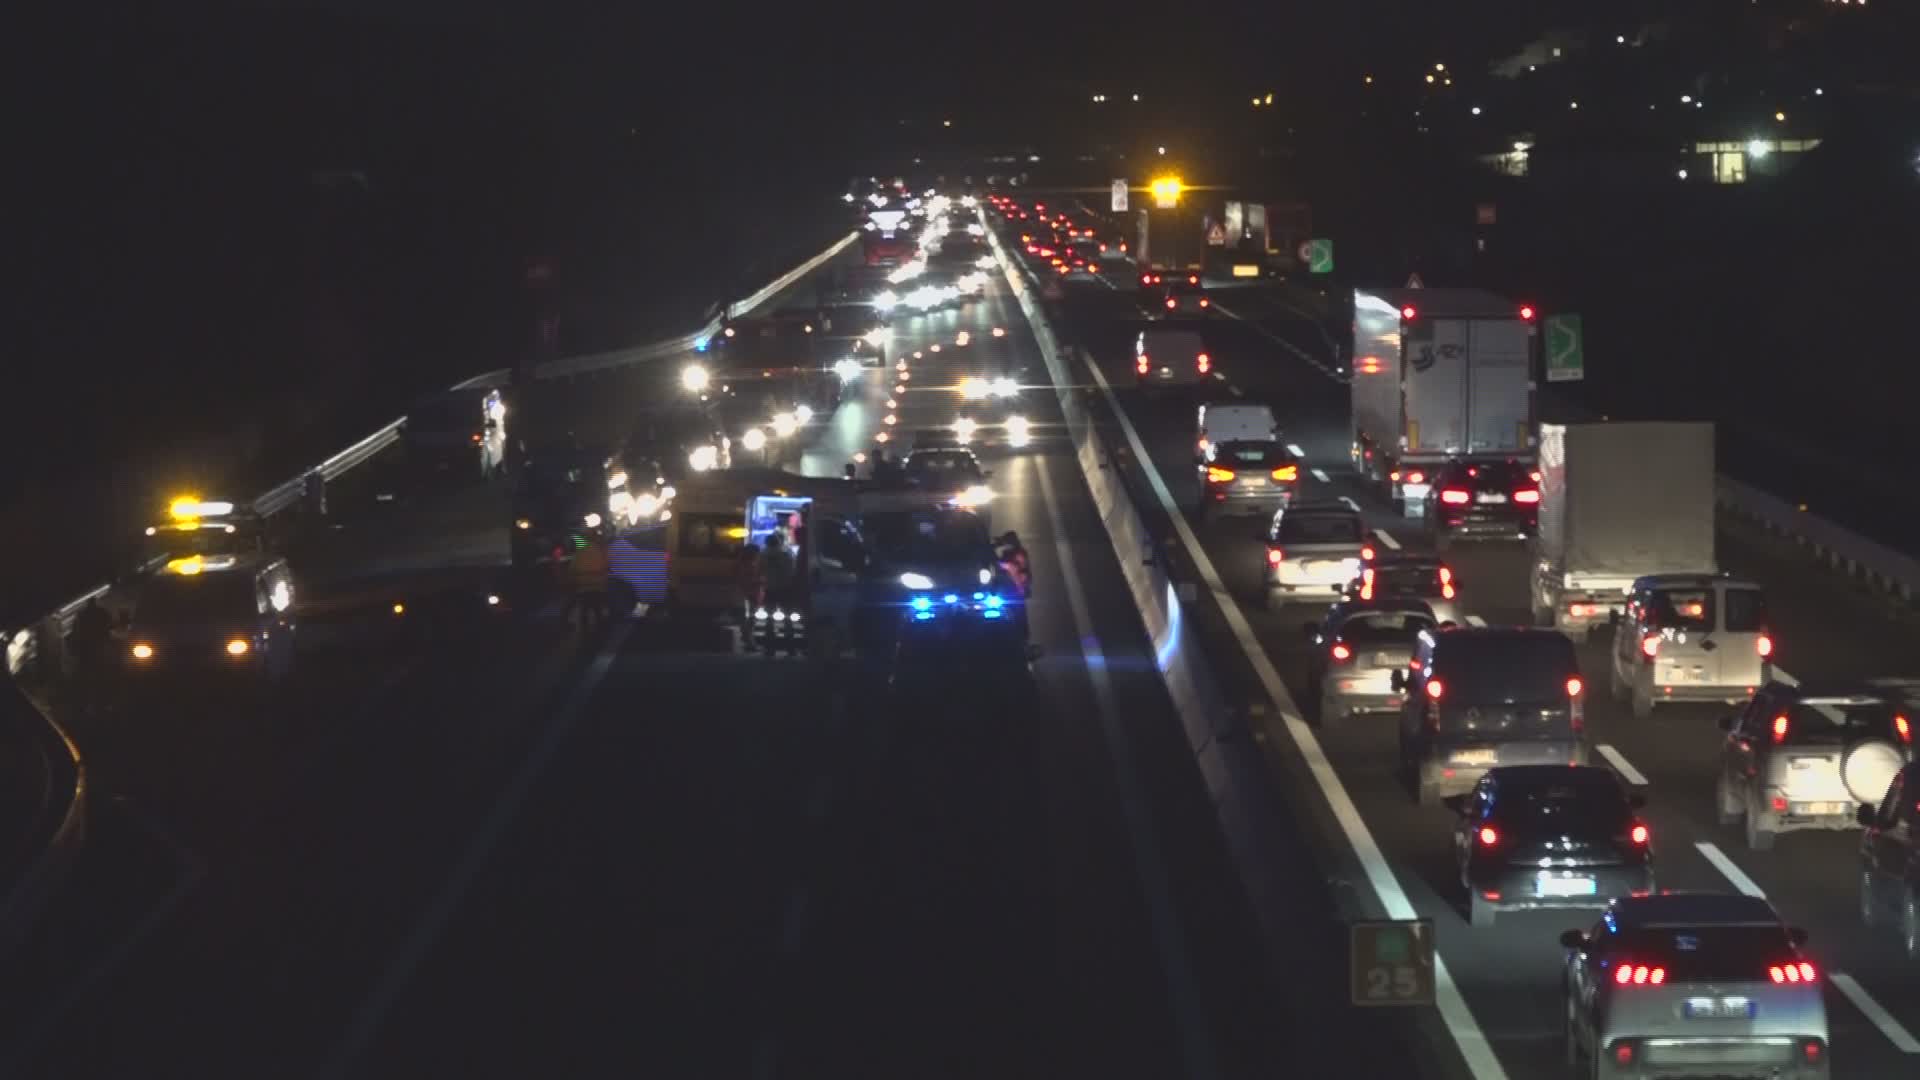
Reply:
x=1482 y=1063
x=1235 y=390
x=1321 y=475
x=1149 y=865
x=433 y=922
x=1621 y=765
x=1386 y=538
x=1294 y=449
x=1712 y=853
x=1351 y=505
x=1475 y=620
x=1896 y=1034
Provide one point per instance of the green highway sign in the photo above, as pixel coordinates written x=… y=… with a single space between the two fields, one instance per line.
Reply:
x=1320 y=256
x=1391 y=962
x=1566 y=355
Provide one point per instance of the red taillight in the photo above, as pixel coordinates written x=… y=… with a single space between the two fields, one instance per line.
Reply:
x=1639 y=975
x=1366 y=551
x=1286 y=473
x=1454 y=497
x=1640 y=834
x=1408 y=313
x=1902 y=728
x=1780 y=728
x=1488 y=837
x=1793 y=971
x=1764 y=646
x=1341 y=653
x=1812 y=1049
x=1526 y=312
x=1623 y=1053
x=1146 y=279
x=1103 y=247
x=1203 y=362
x=1204 y=301
x=1526 y=495
x=1169 y=303
x=1435 y=689
x=1574 y=686
x=1193 y=279
x=1275 y=556
x=1218 y=475
x=1446 y=575
x=1650 y=646
x=1415 y=477
x=1141 y=365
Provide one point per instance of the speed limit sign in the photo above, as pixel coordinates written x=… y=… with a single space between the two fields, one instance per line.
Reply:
x=1391 y=962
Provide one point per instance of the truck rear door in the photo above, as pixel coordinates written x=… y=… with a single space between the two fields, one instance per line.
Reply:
x=1499 y=386
x=1435 y=387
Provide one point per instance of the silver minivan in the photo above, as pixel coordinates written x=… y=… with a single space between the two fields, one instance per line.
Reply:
x=1691 y=637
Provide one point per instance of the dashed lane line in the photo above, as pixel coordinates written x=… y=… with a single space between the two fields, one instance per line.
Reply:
x=1621 y=765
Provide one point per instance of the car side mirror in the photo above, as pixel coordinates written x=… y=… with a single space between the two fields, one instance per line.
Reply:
x=1573 y=939
x=1459 y=804
x=1311 y=630
x=1398 y=681
x=1637 y=801
x=1865 y=814
x=1797 y=935
x=1726 y=723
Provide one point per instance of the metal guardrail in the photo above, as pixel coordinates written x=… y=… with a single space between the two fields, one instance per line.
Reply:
x=21 y=646
x=1856 y=556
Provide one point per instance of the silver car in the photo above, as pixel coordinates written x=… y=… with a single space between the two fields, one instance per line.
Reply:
x=1805 y=757
x=1693 y=984
x=1691 y=637
x=1357 y=648
x=1313 y=551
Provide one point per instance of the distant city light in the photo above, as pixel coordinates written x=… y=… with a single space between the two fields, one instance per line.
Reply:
x=1136 y=97
x=1686 y=99
x=1439 y=67
x=1369 y=82
x=1429 y=77
x=1817 y=91
x=1573 y=104
x=1780 y=117
x=1758 y=148
x=1476 y=110
x=1162 y=150
x=1619 y=39
x=1683 y=174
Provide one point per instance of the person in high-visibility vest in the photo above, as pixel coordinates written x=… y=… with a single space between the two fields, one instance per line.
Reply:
x=586 y=575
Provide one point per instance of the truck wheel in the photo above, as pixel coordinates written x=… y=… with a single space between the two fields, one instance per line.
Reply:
x=1726 y=803
x=1759 y=837
x=1642 y=702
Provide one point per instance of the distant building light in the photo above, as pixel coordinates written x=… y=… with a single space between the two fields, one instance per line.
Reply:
x=1439 y=67
x=1780 y=118
x=1556 y=51
x=1758 y=148
x=1573 y=104
x=1162 y=150
x=1136 y=97
x=1619 y=39
x=1686 y=99
x=1476 y=110
x=1817 y=91
x=1429 y=78
x=1369 y=81
x=1683 y=174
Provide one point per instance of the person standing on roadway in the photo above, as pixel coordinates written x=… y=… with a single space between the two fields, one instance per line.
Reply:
x=752 y=581
x=587 y=575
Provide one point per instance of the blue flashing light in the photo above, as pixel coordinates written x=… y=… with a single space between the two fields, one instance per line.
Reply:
x=700 y=346
x=922 y=616
x=993 y=604
x=990 y=613
x=921 y=603
x=951 y=598
x=979 y=596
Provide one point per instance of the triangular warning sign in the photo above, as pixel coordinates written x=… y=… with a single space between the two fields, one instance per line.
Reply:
x=1216 y=236
x=1414 y=282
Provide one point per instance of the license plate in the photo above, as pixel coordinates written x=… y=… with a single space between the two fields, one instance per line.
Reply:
x=1490 y=497
x=1566 y=886
x=1243 y=270
x=1384 y=659
x=1475 y=757
x=1719 y=1009
x=1253 y=481
x=1819 y=808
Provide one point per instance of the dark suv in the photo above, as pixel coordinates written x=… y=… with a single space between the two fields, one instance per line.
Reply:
x=1480 y=697
x=1496 y=499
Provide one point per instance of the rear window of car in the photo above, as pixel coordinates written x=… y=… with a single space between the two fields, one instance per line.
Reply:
x=1183 y=287
x=1407 y=579
x=1696 y=953
x=1580 y=804
x=712 y=536
x=1298 y=528
x=1383 y=627
x=1492 y=476
x=942 y=463
x=1746 y=611
x=1521 y=668
x=1681 y=609
x=1172 y=344
x=1811 y=722
x=1250 y=452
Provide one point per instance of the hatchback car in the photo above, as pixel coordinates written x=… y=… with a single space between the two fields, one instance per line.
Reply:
x=1411 y=576
x=1313 y=550
x=1806 y=757
x=1247 y=476
x=1491 y=499
x=1691 y=637
x=1480 y=697
x=1357 y=649
x=1549 y=836
x=1693 y=984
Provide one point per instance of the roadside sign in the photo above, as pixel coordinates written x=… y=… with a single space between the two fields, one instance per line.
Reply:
x=1216 y=236
x=1414 y=282
x=1320 y=256
x=1119 y=196
x=1566 y=352
x=1391 y=962
x=1305 y=251
x=1485 y=214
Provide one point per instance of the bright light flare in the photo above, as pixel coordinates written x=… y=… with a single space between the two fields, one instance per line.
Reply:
x=975 y=389
x=1019 y=431
x=704 y=458
x=754 y=439
x=785 y=424
x=695 y=378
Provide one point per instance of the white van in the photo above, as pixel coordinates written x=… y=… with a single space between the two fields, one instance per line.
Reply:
x=1168 y=357
x=1234 y=421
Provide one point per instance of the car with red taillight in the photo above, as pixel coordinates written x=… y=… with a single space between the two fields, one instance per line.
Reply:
x=1166 y=356
x=1480 y=697
x=1490 y=499
x=1693 y=984
x=1410 y=575
x=1548 y=836
x=1313 y=550
x=1691 y=637
x=1174 y=294
x=1807 y=756
x=1356 y=649
x=1246 y=477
